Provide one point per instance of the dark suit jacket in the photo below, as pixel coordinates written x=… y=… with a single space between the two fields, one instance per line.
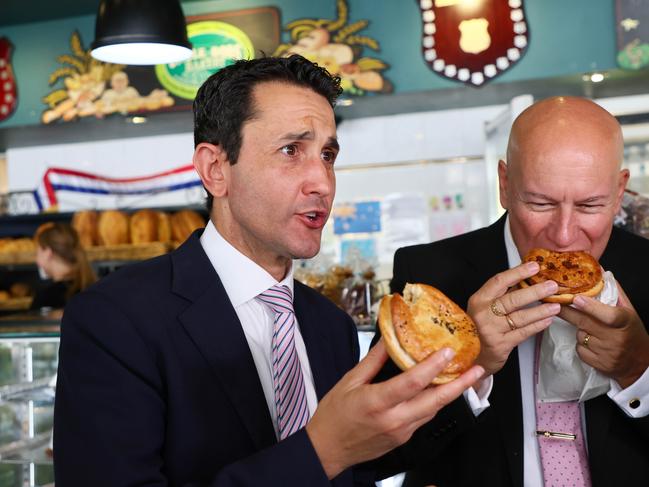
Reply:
x=157 y=385
x=489 y=451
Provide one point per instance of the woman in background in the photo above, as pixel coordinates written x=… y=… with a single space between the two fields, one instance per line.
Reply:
x=61 y=258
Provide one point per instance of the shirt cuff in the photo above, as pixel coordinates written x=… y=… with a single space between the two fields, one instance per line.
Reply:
x=634 y=400
x=478 y=400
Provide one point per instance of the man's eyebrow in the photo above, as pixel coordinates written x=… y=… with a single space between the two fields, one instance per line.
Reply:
x=333 y=143
x=306 y=135
x=594 y=199
x=540 y=196
x=309 y=135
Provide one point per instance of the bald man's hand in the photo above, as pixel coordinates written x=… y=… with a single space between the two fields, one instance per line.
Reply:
x=618 y=343
x=513 y=320
x=358 y=421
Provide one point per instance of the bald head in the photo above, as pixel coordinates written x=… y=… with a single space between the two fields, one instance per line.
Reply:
x=564 y=120
x=562 y=183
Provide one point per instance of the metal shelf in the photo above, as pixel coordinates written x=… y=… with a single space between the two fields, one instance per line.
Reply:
x=28 y=450
x=39 y=391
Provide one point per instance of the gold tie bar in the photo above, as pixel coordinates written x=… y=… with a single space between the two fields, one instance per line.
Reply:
x=557 y=435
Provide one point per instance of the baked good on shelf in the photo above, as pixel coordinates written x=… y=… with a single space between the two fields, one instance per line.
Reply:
x=85 y=223
x=4 y=296
x=14 y=245
x=184 y=222
x=576 y=272
x=164 y=227
x=144 y=226
x=20 y=290
x=424 y=321
x=113 y=227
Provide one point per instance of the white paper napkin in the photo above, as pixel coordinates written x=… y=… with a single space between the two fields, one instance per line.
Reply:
x=562 y=374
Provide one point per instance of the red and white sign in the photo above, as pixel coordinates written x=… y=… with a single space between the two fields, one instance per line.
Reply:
x=8 y=91
x=473 y=41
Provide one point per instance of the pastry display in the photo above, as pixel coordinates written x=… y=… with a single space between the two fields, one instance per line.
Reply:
x=164 y=227
x=113 y=227
x=184 y=222
x=20 y=290
x=144 y=227
x=86 y=225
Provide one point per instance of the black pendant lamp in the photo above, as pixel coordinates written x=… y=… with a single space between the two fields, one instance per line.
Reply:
x=140 y=32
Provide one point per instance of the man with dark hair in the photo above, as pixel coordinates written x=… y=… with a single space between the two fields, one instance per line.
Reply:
x=211 y=365
x=225 y=101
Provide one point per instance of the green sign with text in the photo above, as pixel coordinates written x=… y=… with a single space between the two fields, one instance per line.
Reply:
x=215 y=45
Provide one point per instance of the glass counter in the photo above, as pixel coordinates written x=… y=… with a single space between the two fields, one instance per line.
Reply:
x=29 y=345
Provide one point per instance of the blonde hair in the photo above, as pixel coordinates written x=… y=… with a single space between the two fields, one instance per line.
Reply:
x=64 y=242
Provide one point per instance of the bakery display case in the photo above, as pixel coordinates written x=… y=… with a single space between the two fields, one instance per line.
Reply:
x=28 y=362
x=111 y=239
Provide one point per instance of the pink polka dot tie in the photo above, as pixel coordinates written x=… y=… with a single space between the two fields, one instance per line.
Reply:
x=288 y=380
x=564 y=461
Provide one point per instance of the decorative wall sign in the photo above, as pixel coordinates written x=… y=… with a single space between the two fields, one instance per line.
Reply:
x=360 y=217
x=337 y=46
x=473 y=41
x=58 y=179
x=91 y=87
x=215 y=45
x=8 y=90
x=632 y=33
x=218 y=40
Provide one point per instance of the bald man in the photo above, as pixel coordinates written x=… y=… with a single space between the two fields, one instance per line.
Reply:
x=561 y=185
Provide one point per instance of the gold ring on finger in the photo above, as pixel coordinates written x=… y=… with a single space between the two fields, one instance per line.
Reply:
x=495 y=309
x=586 y=340
x=510 y=322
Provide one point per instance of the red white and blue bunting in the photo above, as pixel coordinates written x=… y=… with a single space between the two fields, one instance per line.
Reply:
x=58 y=179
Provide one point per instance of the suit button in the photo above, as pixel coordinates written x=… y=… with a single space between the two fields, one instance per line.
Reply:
x=634 y=403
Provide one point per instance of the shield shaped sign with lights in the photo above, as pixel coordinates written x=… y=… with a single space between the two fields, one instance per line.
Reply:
x=8 y=91
x=473 y=41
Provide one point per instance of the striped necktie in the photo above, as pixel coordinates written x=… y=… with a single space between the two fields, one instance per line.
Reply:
x=288 y=380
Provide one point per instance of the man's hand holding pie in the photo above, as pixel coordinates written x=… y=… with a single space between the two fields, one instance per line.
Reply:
x=504 y=317
x=617 y=343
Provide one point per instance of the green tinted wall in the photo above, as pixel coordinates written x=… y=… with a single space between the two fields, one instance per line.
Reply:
x=566 y=37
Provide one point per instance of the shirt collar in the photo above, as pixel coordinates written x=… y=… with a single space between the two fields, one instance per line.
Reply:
x=242 y=278
x=513 y=257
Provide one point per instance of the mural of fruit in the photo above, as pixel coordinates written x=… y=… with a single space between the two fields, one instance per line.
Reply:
x=337 y=46
x=91 y=87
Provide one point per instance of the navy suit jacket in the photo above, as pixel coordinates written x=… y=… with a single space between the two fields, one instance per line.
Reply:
x=455 y=449
x=157 y=385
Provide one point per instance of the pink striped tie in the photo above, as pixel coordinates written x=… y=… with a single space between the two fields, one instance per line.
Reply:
x=288 y=381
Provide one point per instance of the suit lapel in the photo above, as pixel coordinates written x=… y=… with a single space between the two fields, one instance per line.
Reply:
x=598 y=410
x=488 y=258
x=318 y=347
x=214 y=327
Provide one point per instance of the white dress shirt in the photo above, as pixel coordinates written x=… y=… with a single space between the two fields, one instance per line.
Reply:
x=243 y=281
x=533 y=474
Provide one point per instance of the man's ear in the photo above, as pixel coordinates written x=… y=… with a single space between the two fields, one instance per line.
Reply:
x=212 y=165
x=621 y=186
x=502 y=183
